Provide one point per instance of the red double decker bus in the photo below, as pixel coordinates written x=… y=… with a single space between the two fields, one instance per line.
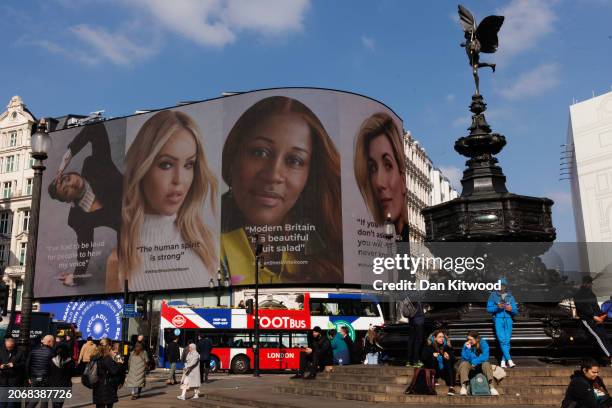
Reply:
x=283 y=332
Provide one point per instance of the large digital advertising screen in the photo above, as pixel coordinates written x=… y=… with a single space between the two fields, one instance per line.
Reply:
x=167 y=198
x=95 y=318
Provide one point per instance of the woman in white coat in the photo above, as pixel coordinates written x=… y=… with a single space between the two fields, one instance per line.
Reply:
x=191 y=374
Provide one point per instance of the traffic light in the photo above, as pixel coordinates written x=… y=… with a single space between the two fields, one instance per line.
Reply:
x=4 y=297
x=249 y=306
x=140 y=304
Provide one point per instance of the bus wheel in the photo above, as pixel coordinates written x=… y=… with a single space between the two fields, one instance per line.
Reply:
x=215 y=365
x=240 y=365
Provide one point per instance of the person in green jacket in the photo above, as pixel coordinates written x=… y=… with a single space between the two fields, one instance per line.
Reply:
x=339 y=348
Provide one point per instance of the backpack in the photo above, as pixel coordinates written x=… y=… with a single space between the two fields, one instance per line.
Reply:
x=423 y=382
x=90 y=375
x=479 y=385
x=408 y=309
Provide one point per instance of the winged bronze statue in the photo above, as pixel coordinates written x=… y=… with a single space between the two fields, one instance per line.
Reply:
x=479 y=38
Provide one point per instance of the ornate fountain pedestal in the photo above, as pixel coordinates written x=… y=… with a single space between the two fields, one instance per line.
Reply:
x=509 y=231
x=486 y=211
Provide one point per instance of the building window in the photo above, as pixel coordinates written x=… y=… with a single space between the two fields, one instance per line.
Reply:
x=19 y=292
x=5 y=220
x=28 y=189
x=22 y=253
x=13 y=138
x=7 y=190
x=29 y=161
x=3 y=252
x=26 y=221
x=9 y=164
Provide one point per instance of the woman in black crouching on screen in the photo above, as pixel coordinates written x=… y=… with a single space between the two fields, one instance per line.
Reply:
x=586 y=388
x=438 y=355
x=315 y=357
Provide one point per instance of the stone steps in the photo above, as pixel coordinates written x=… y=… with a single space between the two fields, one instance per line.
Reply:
x=524 y=386
x=366 y=370
x=503 y=388
x=405 y=380
x=359 y=378
x=372 y=397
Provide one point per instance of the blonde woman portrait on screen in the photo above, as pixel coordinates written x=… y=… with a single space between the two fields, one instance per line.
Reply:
x=282 y=169
x=164 y=241
x=380 y=168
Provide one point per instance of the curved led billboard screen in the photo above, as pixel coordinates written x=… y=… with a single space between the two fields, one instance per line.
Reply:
x=165 y=199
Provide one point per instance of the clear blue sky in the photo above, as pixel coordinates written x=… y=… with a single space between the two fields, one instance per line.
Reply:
x=64 y=56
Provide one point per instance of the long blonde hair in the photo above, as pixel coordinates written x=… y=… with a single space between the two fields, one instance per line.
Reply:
x=151 y=137
x=378 y=124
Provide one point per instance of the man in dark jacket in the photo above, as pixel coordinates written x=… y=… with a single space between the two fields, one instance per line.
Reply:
x=350 y=344
x=172 y=356
x=417 y=334
x=591 y=316
x=204 y=348
x=38 y=366
x=12 y=365
x=315 y=357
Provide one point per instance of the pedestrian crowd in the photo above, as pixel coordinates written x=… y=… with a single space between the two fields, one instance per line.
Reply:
x=55 y=361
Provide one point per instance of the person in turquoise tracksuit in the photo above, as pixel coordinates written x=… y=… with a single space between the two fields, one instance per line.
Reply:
x=502 y=306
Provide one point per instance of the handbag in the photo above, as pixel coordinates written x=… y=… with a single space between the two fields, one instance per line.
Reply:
x=408 y=309
x=423 y=382
x=498 y=373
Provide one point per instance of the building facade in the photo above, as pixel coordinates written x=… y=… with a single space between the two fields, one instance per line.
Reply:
x=426 y=186
x=589 y=149
x=16 y=181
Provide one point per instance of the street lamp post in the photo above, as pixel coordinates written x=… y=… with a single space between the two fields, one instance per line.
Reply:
x=389 y=231
x=258 y=251
x=40 y=144
x=219 y=287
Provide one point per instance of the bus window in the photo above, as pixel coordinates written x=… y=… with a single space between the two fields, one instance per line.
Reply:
x=368 y=309
x=268 y=340
x=240 y=340
x=343 y=307
x=284 y=340
x=299 y=340
x=324 y=308
x=215 y=339
x=346 y=307
x=191 y=336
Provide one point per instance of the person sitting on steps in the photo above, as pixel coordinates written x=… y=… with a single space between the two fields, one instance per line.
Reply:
x=315 y=357
x=438 y=355
x=586 y=388
x=475 y=358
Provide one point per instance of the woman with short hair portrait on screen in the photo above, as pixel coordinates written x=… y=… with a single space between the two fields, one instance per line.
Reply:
x=164 y=241
x=282 y=169
x=380 y=168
